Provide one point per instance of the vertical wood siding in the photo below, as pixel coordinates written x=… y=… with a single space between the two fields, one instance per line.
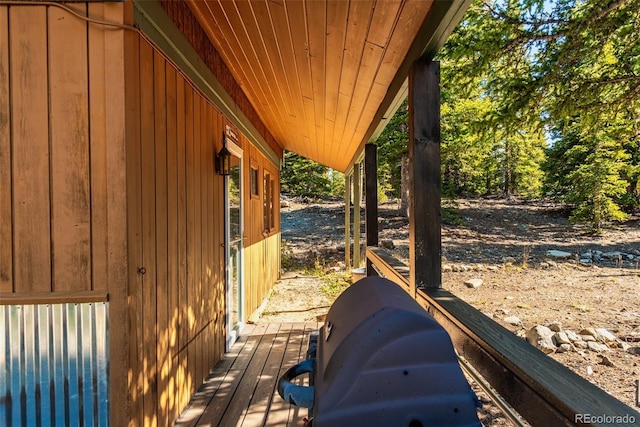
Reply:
x=53 y=151
x=62 y=163
x=107 y=183
x=176 y=236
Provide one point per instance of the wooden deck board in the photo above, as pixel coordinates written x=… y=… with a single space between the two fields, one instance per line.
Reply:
x=241 y=390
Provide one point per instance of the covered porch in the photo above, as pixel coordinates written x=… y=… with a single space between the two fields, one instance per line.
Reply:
x=240 y=391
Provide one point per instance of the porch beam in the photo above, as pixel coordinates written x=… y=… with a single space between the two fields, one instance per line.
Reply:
x=347 y=221
x=425 y=245
x=371 y=199
x=356 y=216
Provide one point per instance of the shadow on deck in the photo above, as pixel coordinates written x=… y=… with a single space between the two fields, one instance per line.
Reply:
x=241 y=390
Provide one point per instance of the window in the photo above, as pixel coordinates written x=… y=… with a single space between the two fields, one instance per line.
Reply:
x=253 y=179
x=268 y=203
x=272 y=194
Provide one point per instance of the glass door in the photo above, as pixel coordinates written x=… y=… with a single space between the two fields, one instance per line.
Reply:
x=234 y=219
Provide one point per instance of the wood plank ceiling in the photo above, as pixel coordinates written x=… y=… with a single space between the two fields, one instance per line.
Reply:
x=316 y=71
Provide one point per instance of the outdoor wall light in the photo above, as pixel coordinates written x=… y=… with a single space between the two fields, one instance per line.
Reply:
x=223 y=159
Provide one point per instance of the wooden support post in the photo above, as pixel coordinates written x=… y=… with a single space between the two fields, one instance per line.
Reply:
x=425 y=244
x=356 y=216
x=347 y=222
x=371 y=195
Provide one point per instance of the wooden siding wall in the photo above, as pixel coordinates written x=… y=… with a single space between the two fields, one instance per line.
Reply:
x=107 y=184
x=262 y=250
x=176 y=235
x=62 y=166
x=58 y=148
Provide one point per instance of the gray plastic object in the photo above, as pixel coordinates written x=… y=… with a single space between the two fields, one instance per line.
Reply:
x=382 y=360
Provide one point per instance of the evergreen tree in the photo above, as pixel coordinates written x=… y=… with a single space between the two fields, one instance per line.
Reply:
x=304 y=177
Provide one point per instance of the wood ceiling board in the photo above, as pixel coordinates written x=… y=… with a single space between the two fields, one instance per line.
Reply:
x=321 y=74
x=271 y=48
x=263 y=65
x=285 y=79
x=298 y=32
x=359 y=20
x=408 y=24
x=284 y=40
x=371 y=58
x=316 y=12
x=224 y=38
x=383 y=21
x=441 y=19
x=336 y=38
x=233 y=30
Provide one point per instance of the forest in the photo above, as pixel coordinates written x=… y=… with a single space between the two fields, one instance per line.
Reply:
x=539 y=99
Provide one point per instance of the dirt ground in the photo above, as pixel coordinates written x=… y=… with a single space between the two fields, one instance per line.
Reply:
x=504 y=243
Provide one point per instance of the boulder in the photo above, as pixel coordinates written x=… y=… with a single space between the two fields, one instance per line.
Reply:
x=604 y=335
x=554 y=326
x=596 y=347
x=612 y=255
x=542 y=338
x=513 y=320
x=553 y=253
x=561 y=338
x=474 y=283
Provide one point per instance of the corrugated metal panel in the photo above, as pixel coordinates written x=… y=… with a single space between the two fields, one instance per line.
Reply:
x=54 y=365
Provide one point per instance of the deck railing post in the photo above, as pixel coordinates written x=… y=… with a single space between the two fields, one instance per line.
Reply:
x=347 y=221
x=371 y=201
x=356 y=216
x=425 y=245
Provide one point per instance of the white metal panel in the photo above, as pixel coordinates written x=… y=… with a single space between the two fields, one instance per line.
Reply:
x=55 y=363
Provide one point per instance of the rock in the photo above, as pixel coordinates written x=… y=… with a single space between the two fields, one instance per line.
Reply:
x=636 y=252
x=564 y=348
x=493 y=268
x=552 y=264
x=580 y=344
x=508 y=260
x=541 y=337
x=585 y=261
x=588 y=338
x=589 y=370
x=634 y=350
x=284 y=203
x=604 y=335
x=596 y=347
x=589 y=331
x=586 y=255
x=513 y=320
x=561 y=338
x=623 y=345
x=544 y=265
x=573 y=337
x=474 y=283
x=554 y=326
x=387 y=244
x=604 y=360
x=612 y=255
x=446 y=268
x=553 y=253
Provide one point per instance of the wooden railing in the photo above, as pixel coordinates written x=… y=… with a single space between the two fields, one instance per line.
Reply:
x=541 y=390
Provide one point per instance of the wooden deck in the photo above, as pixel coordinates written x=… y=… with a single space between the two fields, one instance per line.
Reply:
x=241 y=389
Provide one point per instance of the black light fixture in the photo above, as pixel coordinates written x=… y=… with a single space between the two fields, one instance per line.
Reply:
x=223 y=159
